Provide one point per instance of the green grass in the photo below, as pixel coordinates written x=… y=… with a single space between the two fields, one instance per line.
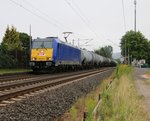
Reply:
x=121 y=102
x=5 y=71
x=73 y=112
x=90 y=104
x=84 y=104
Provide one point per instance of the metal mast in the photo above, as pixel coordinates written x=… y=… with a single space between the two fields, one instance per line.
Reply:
x=135 y=3
x=30 y=40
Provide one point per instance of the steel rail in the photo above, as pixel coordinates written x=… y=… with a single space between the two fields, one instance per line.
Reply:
x=39 y=79
x=39 y=86
x=20 y=76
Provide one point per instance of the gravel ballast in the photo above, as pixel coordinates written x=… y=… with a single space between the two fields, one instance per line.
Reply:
x=51 y=104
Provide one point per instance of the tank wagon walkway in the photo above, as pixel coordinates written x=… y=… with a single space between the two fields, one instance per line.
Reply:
x=142 y=82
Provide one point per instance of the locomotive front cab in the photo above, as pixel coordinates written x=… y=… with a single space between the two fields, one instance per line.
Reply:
x=41 y=53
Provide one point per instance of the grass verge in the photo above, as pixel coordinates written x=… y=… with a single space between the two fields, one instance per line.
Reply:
x=6 y=71
x=86 y=103
x=121 y=102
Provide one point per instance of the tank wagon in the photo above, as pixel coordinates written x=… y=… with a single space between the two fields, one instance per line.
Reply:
x=51 y=53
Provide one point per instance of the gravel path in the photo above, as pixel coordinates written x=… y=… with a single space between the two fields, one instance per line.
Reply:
x=51 y=104
x=143 y=86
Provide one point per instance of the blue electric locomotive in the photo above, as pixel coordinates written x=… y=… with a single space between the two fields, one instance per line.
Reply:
x=51 y=52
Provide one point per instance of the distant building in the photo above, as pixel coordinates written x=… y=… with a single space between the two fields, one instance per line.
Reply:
x=138 y=63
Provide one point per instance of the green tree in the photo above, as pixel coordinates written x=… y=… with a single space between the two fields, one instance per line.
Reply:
x=136 y=45
x=105 y=51
x=11 y=39
x=6 y=60
x=25 y=40
x=148 y=59
x=17 y=45
x=25 y=45
x=6 y=37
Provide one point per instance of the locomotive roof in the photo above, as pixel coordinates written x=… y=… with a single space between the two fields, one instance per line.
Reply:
x=65 y=43
x=56 y=39
x=45 y=39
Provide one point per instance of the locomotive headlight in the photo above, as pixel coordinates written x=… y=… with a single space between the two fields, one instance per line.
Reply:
x=48 y=58
x=33 y=59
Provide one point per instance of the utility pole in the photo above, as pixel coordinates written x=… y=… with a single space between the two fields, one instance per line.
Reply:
x=30 y=40
x=73 y=41
x=125 y=52
x=30 y=35
x=135 y=3
x=78 y=42
x=128 y=57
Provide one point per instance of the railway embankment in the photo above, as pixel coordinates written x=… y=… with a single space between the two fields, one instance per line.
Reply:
x=116 y=99
x=52 y=103
x=121 y=102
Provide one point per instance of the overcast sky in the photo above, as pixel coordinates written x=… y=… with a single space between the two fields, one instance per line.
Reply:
x=100 y=20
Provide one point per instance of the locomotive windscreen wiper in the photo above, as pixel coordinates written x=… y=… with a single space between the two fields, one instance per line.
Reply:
x=42 y=45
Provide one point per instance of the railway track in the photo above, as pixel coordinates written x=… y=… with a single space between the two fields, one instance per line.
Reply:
x=26 y=76
x=13 y=77
x=18 y=88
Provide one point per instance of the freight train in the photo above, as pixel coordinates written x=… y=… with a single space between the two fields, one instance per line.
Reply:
x=51 y=53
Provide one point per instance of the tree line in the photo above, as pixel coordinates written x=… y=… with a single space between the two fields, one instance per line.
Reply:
x=14 y=49
x=134 y=45
x=105 y=51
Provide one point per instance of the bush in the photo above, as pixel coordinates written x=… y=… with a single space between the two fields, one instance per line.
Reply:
x=7 y=61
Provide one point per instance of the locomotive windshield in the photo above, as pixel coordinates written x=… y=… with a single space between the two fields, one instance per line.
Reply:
x=41 y=44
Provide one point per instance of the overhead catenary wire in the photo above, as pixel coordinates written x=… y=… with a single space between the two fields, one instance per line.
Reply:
x=81 y=17
x=85 y=20
x=113 y=43
x=33 y=13
x=78 y=8
x=48 y=16
x=44 y=13
x=54 y=20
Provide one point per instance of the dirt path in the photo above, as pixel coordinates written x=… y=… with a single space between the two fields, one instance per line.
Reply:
x=143 y=86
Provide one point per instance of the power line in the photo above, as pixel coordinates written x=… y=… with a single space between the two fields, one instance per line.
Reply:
x=43 y=13
x=42 y=18
x=81 y=12
x=54 y=24
x=84 y=19
x=33 y=13
x=113 y=43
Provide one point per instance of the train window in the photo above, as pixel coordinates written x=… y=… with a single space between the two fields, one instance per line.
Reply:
x=42 y=44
